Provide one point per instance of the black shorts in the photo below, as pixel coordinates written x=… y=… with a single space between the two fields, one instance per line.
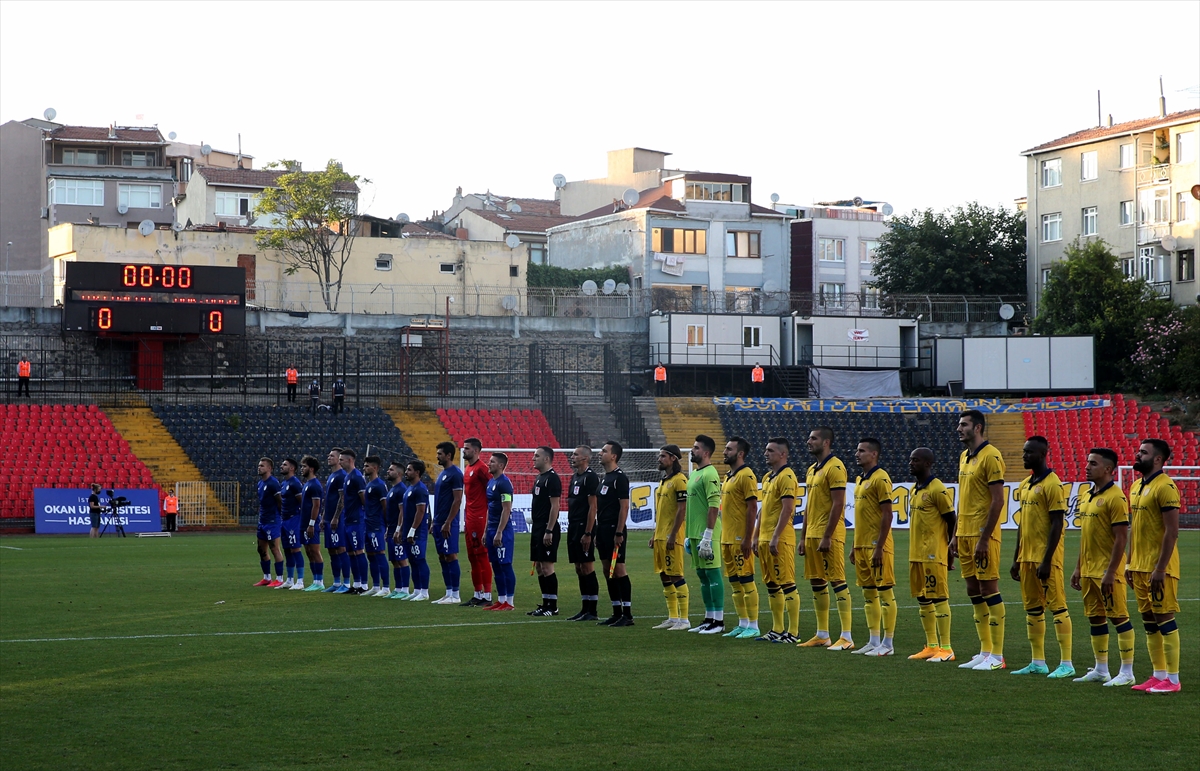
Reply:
x=605 y=536
x=575 y=553
x=538 y=551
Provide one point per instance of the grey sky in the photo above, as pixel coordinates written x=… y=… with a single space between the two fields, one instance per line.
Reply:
x=917 y=104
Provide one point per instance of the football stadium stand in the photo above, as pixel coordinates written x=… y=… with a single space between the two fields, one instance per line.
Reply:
x=684 y=418
x=508 y=428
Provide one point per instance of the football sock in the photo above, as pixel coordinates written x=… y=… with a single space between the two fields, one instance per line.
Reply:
x=791 y=604
x=476 y=581
x=995 y=609
x=841 y=593
x=1126 y=645
x=318 y=570
x=821 y=603
x=941 y=612
x=1100 y=640
x=510 y=579
x=485 y=577
x=681 y=596
x=672 y=600
x=346 y=567
x=454 y=570
x=739 y=600
x=383 y=568
x=872 y=611
x=891 y=610
x=705 y=593
x=396 y=577
x=446 y=575
x=614 y=594
x=291 y=565
x=279 y=570
x=374 y=567
x=626 y=595
x=298 y=558
x=542 y=586
x=928 y=622
x=775 y=600
x=420 y=573
x=716 y=588
x=551 y=592
x=1035 y=629
x=981 y=623
x=1063 y=632
x=1169 y=632
x=1154 y=644
x=405 y=577
x=750 y=600
x=266 y=568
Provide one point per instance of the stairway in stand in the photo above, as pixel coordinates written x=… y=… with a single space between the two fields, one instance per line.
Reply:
x=595 y=414
x=648 y=407
x=684 y=417
x=1006 y=430
x=423 y=432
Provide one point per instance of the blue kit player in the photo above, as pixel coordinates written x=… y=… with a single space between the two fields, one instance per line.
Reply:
x=376 y=544
x=312 y=493
x=269 y=502
x=354 y=500
x=397 y=550
x=447 y=502
x=416 y=527
x=499 y=534
x=292 y=492
x=335 y=531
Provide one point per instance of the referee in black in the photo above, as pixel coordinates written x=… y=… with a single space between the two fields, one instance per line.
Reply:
x=545 y=533
x=612 y=510
x=581 y=526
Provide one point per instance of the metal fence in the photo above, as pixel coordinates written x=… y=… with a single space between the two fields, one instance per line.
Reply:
x=26 y=289
x=208 y=504
x=619 y=386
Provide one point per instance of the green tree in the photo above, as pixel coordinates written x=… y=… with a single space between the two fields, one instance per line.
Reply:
x=552 y=275
x=1167 y=355
x=306 y=220
x=968 y=250
x=1087 y=294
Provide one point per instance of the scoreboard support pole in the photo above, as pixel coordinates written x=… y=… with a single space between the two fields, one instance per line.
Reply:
x=147 y=364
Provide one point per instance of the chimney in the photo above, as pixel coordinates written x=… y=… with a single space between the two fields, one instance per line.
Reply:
x=1110 y=122
x=112 y=131
x=1162 y=100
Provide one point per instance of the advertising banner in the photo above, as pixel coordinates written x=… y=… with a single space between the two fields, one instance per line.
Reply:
x=66 y=511
x=904 y=406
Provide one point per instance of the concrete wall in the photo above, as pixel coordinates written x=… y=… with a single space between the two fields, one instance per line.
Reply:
x=723 y=339
x=854 y=273
x=195 y=206
x=22 y=196
x=633 y=167
x=617 y=239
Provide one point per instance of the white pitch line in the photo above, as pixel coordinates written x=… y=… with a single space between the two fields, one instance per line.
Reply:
x=14 y=548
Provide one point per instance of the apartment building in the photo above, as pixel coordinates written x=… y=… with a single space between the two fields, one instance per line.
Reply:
x=229 y=196
x=1132 y=185
x=491 y=217
x=833 y=247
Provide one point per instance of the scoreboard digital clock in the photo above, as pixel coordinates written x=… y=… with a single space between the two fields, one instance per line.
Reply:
x=129 y=298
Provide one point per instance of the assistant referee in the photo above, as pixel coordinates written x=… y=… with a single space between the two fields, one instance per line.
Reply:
x=612 y=511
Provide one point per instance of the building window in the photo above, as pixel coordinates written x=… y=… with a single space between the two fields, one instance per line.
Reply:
x=752 y=337
x=866 y=250
x=1089 y=221
x=235 y=204
x=1154 y=206
x=139 y=158
x=140 y=196
x=1128 y=156
x=831 y=294
x=716 y=191
x=871 y=298
x=679 y=241
x=695 y=335
x=537 y=254
x=514 y=271
x=1052 y=173
x=832 y=249
x=1045 y=276
x=185 y=169
x=1185 y=207
x=1052 y=227
x=383 y=262
x=1129 y=267
x=1126 y=213
x=1089 y=166
x=80 y=157
x=446 y=267
x=741 y=244
x=77 y=192
x=1187 y=265
x=1145 y=264
x=1185 y=147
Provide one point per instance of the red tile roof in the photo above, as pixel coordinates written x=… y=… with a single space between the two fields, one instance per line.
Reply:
x=415 y=230
x=139 y=134
x=1119 y=129
x=656 y=198
x=528 y=205
x=522 y=221
x=254 y=178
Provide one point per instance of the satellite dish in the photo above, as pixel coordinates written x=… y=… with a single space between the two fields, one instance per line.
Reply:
x=122 y=209
x=858 y=200
x=172 y=136
x=146 y=227
x=512 y=241
x=622 y=288
x=514 y=207
x=609 y=287
x=588 y=288
x=630 y=197
x=177 y=227
x=402 y=218
x=1007 y=311
x=1169 y=242
x=770 y=285
x=774 y=197
x=560 y=181
x=887 y=210
x=50 y=113
x=205 y=149
x=508 y=302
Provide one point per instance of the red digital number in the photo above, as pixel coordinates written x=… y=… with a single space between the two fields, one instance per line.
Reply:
x=168 y=277
x=129 y=275
x=104 y=318
x=147 y=276
x=216 y=321
x=185 y=277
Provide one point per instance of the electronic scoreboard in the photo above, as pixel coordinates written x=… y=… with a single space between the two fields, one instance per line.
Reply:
x=131 y=298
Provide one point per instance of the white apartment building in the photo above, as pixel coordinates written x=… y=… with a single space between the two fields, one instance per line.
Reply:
x=833 y=251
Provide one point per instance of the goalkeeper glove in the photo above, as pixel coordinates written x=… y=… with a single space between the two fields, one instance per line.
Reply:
x=705 y=550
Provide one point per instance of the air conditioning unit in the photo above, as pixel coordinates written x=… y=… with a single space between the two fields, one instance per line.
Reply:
x=45 y=212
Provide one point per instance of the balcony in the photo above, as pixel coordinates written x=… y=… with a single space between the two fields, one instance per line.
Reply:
x=1161 y=288
x=1154 y=175
x=1152 y=233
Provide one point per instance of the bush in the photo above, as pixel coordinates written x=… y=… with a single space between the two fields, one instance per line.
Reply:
x=1167 y=357
x=553 y=276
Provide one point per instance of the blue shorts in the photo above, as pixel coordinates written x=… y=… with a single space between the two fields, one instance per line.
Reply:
x=376 y=540
x=420 y=543
x=356 y=536
x=316 y=536
x=290 y=533
x=446 y=545
x=268 y=532
x=503 y=554
x=335 y=539
x=396 y=550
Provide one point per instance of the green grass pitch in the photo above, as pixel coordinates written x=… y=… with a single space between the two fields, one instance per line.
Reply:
x=158 y=654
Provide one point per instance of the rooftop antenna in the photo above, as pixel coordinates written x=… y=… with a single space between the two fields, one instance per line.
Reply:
x=50 y=113
x=239 y=155
x=1099 y=114
x=1162 y=99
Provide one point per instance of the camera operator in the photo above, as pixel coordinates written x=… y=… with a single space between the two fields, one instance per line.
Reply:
x=95 y=509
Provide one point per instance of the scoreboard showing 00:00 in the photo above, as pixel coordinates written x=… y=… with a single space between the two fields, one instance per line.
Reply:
x=126 y=298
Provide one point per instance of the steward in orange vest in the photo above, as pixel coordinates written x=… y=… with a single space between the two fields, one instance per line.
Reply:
x=24 y=369
x=292 y=377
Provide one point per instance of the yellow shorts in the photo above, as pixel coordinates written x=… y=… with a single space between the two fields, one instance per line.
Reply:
x=1166 y=601
x=928 y=580
x=736 y=566
x=668 y=561
x=779 y=569
x=830 y=566
x=1036 y=594
x=881 y=577
x=1097 y=603
x=988 y=569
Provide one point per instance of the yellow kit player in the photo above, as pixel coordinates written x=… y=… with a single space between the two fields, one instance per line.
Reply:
x=930 y=533
x=1100 y=572
x=670 y=504
x=777 y=543
x=739 y=510
x=1038 y=560
x=823 y=540
x=874 y=554
x=1154 y=562
x=980 y=501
